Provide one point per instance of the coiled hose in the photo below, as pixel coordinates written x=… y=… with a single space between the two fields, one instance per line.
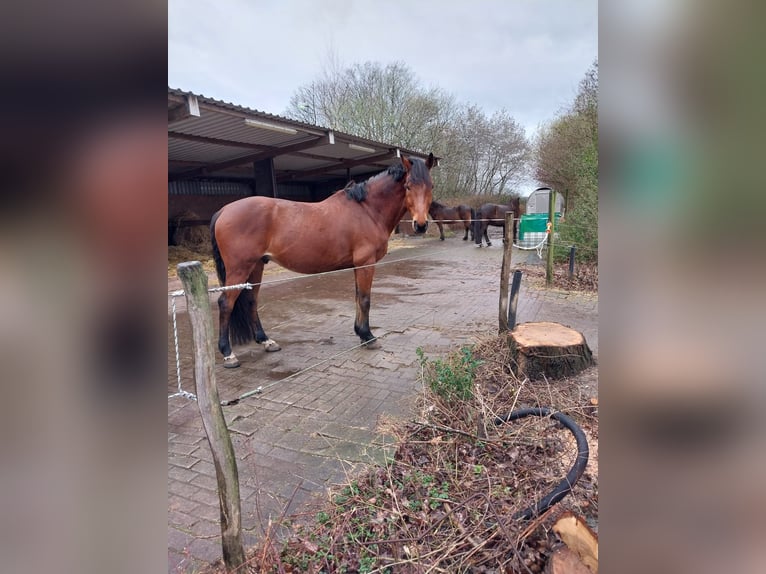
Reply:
x=565 y=486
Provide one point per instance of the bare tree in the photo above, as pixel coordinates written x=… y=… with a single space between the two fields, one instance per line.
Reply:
x=479 y=154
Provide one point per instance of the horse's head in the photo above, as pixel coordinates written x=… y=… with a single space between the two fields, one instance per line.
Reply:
x=418 y=189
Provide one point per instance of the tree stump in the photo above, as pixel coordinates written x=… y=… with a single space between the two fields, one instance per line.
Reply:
x=548 y=349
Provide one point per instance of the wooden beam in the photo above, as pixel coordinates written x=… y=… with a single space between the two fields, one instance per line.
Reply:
x=391 y=153
x=216 y=141
x=283 y=150
x=188 y=109
x=266 y=154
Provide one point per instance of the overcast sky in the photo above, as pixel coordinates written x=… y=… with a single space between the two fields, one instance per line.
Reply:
x=527 y=56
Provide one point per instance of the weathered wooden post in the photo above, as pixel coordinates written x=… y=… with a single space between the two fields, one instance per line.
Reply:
x=571 y=261
x=552 y=222
x=194 y=281
x=505 y=270
x=515 y=285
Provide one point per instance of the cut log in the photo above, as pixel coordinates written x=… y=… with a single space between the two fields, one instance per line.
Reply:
x=565 y=561
x=548 y=349
x=579 y=538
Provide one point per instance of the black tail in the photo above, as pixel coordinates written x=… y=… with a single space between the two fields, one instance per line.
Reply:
x=241 y=329
x=220 y=269
x=477 y=225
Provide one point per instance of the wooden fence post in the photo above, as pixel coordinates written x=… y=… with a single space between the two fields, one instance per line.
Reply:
x=552 y=221
x=571 y=261
x=515 y=285
x=505 y=270
x=194 y=281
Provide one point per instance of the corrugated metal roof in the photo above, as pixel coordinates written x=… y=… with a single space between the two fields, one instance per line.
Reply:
x=220 y=142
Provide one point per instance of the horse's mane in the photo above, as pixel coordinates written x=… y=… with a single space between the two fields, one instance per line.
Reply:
x=418 y=173
x=356 y=191
x=436 y=205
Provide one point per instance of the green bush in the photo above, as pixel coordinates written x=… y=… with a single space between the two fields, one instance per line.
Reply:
x=452 y=378
x=580 y=228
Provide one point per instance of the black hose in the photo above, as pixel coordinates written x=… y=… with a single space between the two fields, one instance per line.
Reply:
x=565 y=486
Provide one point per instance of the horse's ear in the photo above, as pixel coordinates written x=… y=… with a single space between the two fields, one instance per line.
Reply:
x=430 y=162
x=406 y=163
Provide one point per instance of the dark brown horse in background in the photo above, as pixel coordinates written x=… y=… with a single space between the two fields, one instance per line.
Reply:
x=349 y=229
x=494 y=214
x=441 y=214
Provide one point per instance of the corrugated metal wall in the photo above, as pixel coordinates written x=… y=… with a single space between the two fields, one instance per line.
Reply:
x=209 y=187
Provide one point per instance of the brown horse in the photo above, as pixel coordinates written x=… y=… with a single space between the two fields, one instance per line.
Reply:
x=349 y=229
x=441 y=214
x=494 y=214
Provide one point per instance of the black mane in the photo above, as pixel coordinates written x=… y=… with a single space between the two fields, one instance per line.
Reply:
x=418 y=173
x=356 y=191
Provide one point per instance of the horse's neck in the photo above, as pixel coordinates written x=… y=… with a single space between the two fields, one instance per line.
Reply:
x=387 y=200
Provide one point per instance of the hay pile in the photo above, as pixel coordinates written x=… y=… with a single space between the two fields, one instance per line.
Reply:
x=191 y=235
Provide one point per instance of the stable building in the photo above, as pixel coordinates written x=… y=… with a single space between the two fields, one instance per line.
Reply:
x=220 y=152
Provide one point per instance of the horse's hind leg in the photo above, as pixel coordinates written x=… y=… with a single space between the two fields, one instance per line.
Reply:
x=225 y=307
x=260 y=336
x=363 y=278
x=486 y=236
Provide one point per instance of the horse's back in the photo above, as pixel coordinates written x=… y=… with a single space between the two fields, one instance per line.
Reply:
x=306 y=237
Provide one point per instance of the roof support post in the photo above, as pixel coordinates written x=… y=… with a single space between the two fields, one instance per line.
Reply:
x=264 y=180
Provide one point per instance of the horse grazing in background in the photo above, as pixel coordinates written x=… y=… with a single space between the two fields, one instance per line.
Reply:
x=444 y=214
x=494 y=214
x=349 y=229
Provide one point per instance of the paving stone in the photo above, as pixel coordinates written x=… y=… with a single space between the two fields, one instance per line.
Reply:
x=308 y=432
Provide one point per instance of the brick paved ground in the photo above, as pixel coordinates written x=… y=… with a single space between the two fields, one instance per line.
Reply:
x=303 y=434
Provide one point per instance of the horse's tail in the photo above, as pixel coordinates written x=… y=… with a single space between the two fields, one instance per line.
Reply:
x=475 y=227
x=241 y=329
x=220 y=268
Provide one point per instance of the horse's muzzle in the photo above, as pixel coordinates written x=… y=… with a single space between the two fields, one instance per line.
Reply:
x=418 y=227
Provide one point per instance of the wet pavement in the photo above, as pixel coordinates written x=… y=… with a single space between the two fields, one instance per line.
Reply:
x=303 y=433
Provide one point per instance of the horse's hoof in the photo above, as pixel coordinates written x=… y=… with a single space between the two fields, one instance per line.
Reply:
x=372 y=344
x=271 y=346
x=231 y=362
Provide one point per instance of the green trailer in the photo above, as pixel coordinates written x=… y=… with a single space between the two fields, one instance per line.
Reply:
x=532 y=228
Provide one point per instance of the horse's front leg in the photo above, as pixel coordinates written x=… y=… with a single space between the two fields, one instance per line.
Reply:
x=363 y=279
x=441 y=230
